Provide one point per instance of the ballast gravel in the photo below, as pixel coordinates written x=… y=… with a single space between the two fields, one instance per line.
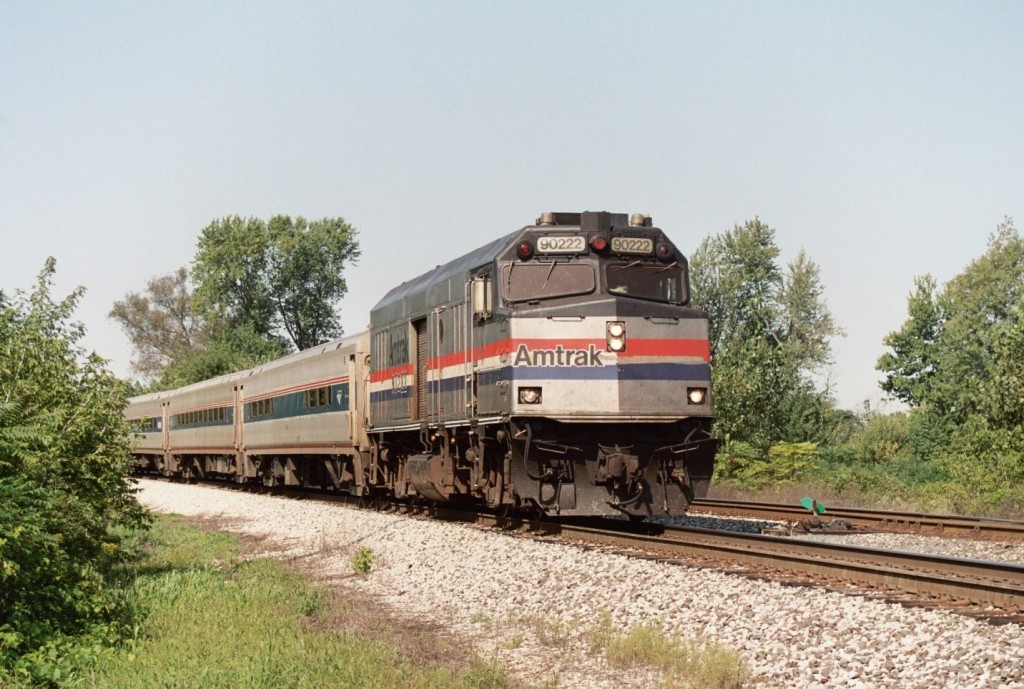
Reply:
x=530 y=604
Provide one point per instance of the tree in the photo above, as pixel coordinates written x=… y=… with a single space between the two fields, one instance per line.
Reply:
x=910 y=366
x=161 y=322
x=770 y=333
x=958 y=340
x=957 y=362
x=230 y=270
x=277 y=275
x=65 y=457
x=307 y=262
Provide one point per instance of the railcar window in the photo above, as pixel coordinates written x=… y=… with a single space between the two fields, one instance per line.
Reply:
x=546 y=280
x=261 y=407
x=653 y=281
x=318 y=397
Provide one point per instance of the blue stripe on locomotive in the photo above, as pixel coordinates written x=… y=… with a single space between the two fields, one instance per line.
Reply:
x=623 y=372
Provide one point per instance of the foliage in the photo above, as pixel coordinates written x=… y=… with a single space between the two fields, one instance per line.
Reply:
x=785 y=463
x=363 y=560
x=226 y=351
x=64 y=474
x=211 y=618
x=161 y=322
x=281 y=274
x=910 y=366
x=682 y=663
x=261 y=288
x=957 y=361
x=770 y=333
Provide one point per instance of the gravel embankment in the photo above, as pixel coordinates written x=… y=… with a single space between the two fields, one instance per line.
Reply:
x=511 y=595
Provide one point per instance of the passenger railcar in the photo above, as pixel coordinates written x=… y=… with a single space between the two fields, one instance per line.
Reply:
x=559 y=368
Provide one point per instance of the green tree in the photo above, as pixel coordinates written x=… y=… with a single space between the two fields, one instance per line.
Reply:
x=225 y=351
x=307 y=275
x=958 y=340
x=957 y=361
x=160 y=322
x=910 y=366
x=770 y=335
x=230 y=270
x=282 y=277
x=65 y=457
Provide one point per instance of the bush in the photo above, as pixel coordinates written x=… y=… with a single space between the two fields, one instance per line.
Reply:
x=65 y=454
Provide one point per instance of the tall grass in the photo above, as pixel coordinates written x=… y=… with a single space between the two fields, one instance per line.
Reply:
x=211 y=620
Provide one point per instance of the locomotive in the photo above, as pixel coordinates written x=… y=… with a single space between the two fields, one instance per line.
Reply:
x=559 y=368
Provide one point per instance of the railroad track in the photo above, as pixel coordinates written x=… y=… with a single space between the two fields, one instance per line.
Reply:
x=993 y=591
x=875 y=520
x=988 y=590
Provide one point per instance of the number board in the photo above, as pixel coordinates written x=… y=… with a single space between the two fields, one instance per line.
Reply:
x=633 y=245
x=562 y=244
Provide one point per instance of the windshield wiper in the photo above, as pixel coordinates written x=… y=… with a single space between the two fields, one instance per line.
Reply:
x=548 y=276
x=628 y=265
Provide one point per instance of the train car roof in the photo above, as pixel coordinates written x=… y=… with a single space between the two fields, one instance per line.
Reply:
x=459 y=266
x=330 y=346
x=240 y=375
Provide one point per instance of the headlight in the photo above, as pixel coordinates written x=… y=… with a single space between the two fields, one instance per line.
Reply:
x=529 y=395
x=696 y=395
x=616 y=334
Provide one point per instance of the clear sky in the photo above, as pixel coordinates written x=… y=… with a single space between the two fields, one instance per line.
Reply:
x=884 y=138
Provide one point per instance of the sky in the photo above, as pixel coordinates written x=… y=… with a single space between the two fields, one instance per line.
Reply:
x=885 y=139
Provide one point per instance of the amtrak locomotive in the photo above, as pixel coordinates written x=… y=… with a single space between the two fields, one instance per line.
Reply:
x=558 y=368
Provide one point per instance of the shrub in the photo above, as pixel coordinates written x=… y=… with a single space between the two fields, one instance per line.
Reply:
x=65 y=455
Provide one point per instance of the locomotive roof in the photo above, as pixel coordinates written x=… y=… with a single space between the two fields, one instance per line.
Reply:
x=459 y=266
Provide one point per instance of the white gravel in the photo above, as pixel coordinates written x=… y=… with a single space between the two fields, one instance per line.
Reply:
x=531 y=603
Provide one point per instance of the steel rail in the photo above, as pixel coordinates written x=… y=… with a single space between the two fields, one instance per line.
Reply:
x=994 y=590
x=879 y=520
x=996 y=584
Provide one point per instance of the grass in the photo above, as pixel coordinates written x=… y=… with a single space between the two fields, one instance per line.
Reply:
x=682 y=663
x=211 y=619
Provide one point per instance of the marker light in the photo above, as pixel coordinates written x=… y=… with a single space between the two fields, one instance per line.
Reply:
x=599 y=244
x=664 y=251
x=524 y=250
x=696 y=395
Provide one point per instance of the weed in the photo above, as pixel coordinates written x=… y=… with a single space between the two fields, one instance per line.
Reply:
x=363 y=560
x=683 y=664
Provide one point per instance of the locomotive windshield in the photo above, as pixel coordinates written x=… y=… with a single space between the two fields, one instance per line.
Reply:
x=654 y=281
x=546 y=280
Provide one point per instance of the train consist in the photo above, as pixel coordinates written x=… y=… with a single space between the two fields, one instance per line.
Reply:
x=557 y=368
